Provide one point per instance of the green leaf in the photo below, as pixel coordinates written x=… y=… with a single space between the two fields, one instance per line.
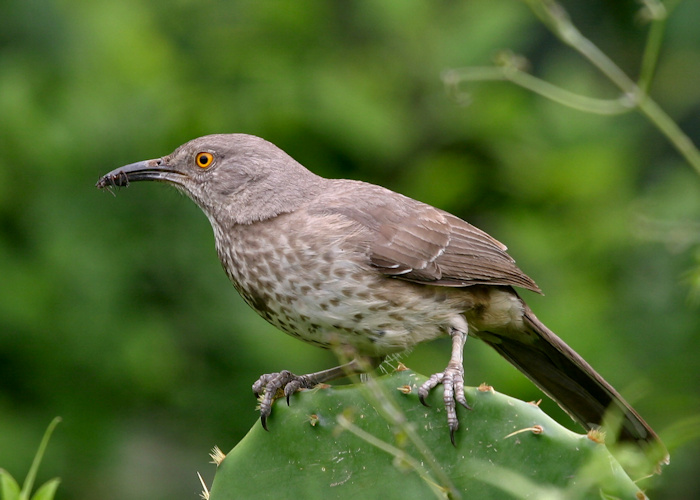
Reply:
x=31 y=476
x=372 y=440
x=47 y=490
x=8 y=486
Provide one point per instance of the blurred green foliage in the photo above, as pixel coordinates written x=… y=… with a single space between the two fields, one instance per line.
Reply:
x=114 y=312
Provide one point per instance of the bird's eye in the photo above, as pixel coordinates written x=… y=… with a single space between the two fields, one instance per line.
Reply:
x=203 y=160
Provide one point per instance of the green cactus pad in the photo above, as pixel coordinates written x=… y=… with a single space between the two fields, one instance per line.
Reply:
x=375 y=440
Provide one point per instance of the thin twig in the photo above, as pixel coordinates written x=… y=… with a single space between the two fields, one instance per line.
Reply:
x=555 y=17
x=654 y=12
x=634 y=95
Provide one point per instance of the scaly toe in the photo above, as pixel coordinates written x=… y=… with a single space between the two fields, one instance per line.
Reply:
x=429 y=385
x=452 y=380
x=274 y=385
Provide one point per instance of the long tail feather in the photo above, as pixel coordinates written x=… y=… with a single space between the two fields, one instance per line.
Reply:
x=570 y=381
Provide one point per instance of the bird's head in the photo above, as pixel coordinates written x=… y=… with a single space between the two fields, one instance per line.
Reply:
x=234 y=178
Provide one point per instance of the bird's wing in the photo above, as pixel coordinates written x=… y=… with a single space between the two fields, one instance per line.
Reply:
x=416 y=242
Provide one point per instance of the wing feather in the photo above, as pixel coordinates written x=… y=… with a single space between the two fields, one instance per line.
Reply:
x=416 y=242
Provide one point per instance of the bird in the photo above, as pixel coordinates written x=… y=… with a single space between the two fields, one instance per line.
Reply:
x=344 y=263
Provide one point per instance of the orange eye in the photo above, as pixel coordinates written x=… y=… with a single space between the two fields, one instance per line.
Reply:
x=203 y=160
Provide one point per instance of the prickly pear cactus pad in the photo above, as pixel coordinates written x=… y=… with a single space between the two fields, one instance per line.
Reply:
x=375 y=440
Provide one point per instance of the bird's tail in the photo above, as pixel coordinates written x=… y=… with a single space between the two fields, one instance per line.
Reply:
x=570 y=381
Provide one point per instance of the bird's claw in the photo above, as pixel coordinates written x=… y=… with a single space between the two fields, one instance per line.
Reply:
x=272 y=386
x=452 y=377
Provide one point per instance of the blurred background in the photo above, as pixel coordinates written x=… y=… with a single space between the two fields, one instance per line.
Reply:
x=115 y=313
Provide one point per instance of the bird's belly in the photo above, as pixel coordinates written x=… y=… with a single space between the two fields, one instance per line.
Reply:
x=374 y=314
x=325 y=295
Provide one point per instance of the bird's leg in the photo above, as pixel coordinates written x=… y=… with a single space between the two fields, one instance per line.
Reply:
x=452 y=380
x=270 y=384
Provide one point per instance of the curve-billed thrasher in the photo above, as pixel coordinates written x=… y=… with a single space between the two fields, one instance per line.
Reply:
x=345 y=263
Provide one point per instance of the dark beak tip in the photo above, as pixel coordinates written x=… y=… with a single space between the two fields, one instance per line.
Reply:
x=116 y=178
x=147 y=170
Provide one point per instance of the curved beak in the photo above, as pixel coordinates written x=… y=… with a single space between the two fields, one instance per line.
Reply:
x=147 y=170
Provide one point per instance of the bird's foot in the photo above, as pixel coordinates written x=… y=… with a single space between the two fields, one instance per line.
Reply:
x=452 y=378
x=272 y=386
